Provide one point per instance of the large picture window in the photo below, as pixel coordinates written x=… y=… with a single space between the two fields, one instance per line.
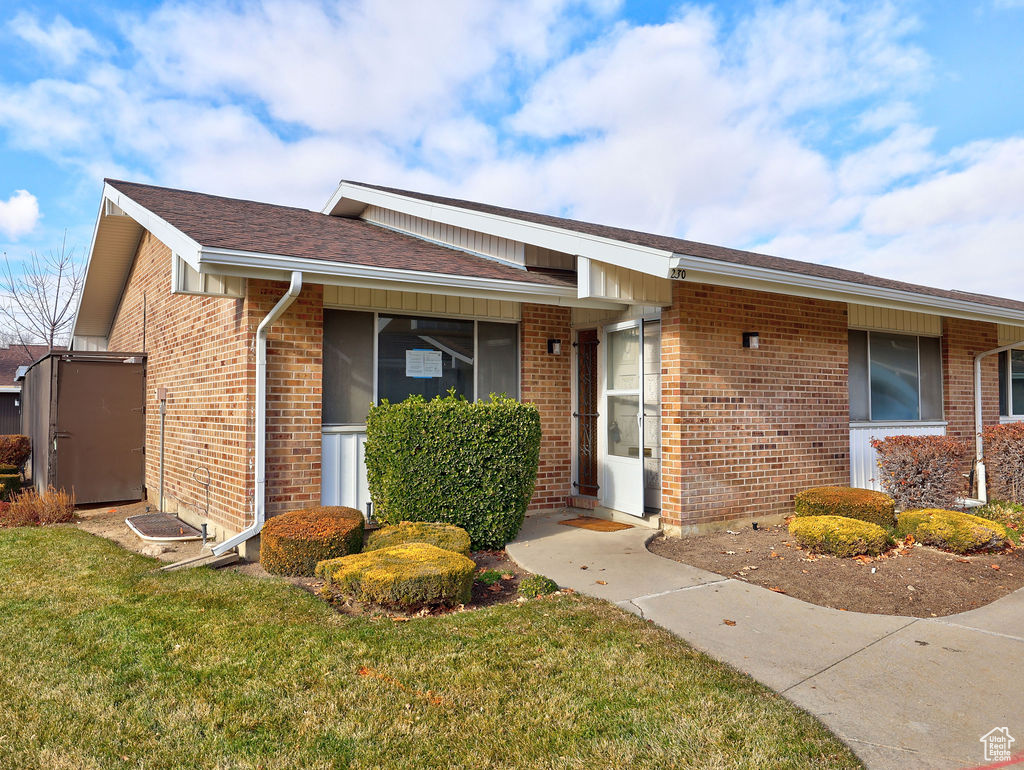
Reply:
x=894 y=377
x=372 y=356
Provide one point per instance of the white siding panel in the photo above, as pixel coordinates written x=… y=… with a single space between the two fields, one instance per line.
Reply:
x=343 y=477
x=1008 y=335
x=410 y=302
x=886 y=319
x=863 y=457
x=620 y=283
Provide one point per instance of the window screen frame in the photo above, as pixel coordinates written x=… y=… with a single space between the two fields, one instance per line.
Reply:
x=920 y=388
x=476 y=348
x=1006 y=381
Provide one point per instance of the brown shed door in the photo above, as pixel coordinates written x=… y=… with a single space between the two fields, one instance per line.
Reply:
x=100 y=430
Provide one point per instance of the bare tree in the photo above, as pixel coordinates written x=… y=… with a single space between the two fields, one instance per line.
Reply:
x=37 y=302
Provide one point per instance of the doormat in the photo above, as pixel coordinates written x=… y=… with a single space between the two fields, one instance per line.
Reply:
x=595 y=525
x=162 y=527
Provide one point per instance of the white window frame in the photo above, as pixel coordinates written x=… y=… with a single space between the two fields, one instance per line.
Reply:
x=920 y=405
x=476 y=342
x=1011 y=415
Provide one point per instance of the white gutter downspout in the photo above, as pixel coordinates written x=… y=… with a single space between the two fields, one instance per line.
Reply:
x=979 y=448
x=260 y=498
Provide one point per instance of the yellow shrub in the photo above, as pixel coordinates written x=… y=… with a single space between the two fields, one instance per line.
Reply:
x=446 y=536
x=293 y=543
x=864 y=504
x=406 y=576
x=953 y=531
x=839 y=535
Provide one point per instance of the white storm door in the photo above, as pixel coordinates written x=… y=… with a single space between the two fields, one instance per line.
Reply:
x=622 y=419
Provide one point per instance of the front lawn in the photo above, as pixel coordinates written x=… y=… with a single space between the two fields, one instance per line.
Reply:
x=104 y=664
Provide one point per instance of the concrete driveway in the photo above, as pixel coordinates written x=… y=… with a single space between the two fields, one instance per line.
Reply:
x=901 y=692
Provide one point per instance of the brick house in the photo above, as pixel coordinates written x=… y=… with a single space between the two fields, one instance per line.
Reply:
x=675 y=379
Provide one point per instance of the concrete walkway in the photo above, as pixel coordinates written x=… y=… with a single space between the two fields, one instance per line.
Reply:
x=901 y=692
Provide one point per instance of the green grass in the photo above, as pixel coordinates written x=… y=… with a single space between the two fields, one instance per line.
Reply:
x=105 y=664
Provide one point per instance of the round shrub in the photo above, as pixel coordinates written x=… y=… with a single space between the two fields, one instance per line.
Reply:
x=10 y=485
x=537 y=585
x=952 y=530
x=839 y=535
x=446 y=536
x=14 y=450
x=293 y=543
x=864 y=504
x=468 y=463
x=402 y=576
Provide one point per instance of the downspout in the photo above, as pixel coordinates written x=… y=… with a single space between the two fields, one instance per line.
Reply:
x=260 y=497
x=979 y=445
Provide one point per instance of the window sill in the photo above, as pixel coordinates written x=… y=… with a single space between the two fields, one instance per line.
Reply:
x=1005 y=419
x=343 y=428
x=900 y=424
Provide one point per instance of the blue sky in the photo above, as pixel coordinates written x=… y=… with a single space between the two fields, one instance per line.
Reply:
x=880 y=136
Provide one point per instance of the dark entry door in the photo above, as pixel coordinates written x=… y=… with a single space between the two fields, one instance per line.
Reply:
x=100 y=430
x=586 y=414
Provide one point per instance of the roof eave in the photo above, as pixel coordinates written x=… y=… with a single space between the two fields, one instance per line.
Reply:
x=717 y=272
x=280 y=266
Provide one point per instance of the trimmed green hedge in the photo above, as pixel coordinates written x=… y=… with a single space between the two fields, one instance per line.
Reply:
x=864 y=504
x=839 y=535
x=407 y=576
x=953 y=530
x=471 y=464
x=446 y=536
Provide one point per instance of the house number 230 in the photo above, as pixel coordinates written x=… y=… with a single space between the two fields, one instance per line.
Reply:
x=677 y=273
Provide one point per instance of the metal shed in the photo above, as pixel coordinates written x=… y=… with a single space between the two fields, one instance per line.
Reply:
x=85 y=415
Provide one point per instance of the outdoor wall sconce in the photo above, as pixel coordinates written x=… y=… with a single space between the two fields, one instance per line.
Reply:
x=554 y=347
x=751 y=340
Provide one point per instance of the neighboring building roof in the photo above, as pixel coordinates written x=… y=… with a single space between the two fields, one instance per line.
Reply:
x=16 y=356
x=242 y=225
x=707 y=251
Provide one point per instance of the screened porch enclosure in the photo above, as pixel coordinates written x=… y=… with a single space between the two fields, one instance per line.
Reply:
x=372 y=356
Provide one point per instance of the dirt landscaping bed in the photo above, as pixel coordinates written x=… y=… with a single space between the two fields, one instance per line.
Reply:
x=108 y=522
x=917 y=581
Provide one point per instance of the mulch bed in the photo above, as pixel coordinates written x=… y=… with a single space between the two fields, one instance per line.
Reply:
x=914 y=581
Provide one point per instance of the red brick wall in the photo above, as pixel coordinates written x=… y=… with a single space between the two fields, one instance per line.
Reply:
x=294 y=355
x=202 y=349
x=547 y=382
x=198 y=349
x=744 y=430
x=961 y=341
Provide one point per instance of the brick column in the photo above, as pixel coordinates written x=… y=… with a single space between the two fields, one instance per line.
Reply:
x=961 y=341
x=547 y=382
x=744 y=430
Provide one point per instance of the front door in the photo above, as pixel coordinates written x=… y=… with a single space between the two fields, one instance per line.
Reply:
x=631 y=424
x=586 y=412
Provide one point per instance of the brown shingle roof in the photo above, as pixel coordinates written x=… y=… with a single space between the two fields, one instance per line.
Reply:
x=265 y=228
x=708 y=251
x=19 y=355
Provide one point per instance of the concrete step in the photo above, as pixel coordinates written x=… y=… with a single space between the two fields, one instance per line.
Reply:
x=203 y=560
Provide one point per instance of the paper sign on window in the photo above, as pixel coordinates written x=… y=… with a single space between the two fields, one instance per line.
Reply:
x=423 y=364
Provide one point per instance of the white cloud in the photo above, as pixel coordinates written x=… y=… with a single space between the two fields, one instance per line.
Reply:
x=61 y=42
x=689 y=127
x=18 y=214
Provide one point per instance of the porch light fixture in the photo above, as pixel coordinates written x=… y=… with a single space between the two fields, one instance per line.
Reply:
x=751 y=340
x=554 y=347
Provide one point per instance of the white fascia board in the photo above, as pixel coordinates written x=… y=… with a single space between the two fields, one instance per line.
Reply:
x=88 y=260
x=277 y=267
x=716 y=272
x=185 y=247
x=642 y=258
x=10 y=388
